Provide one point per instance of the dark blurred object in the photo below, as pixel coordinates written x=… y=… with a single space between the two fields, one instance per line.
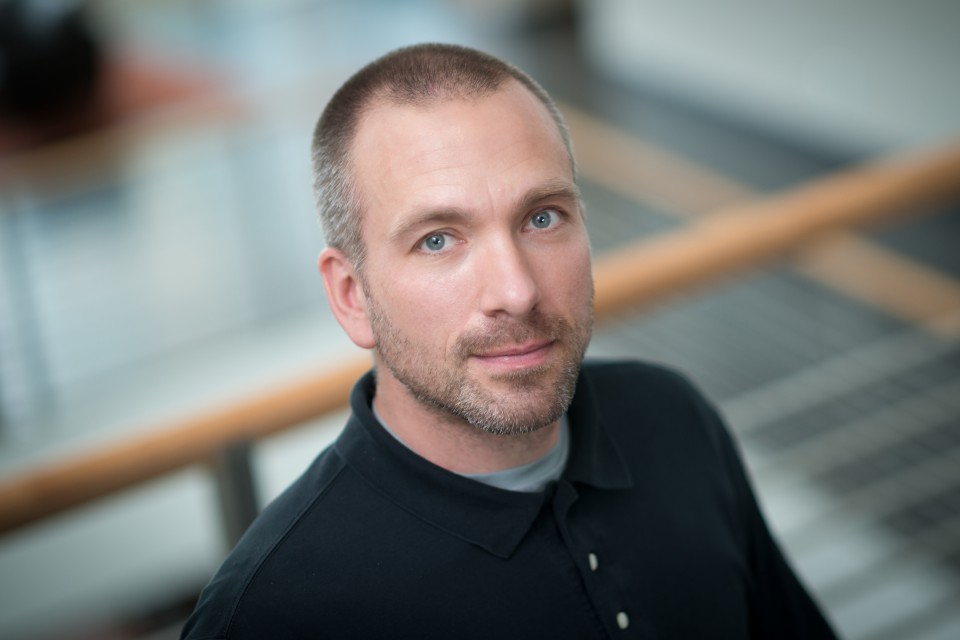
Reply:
x=516 y=16
x=60 y=81
x=50 y=59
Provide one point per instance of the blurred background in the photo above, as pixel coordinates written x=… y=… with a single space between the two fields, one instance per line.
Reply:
x=158 y=245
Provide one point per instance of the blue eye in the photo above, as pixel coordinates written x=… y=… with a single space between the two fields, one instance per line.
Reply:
x=434 y=243
x=544 y=219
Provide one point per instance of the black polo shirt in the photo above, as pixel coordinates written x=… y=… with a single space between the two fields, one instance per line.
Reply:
x=652 y=532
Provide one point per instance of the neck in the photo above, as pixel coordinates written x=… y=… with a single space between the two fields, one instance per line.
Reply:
x=450 y=442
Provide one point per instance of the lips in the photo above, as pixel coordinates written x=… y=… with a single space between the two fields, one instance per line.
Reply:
x=511 y=351
x=516 y=357
x=515 y=344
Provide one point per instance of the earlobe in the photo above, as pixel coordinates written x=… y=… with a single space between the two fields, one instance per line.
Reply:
x=346 y=296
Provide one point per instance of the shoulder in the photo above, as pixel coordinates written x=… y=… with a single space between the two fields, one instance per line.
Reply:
x=631 y=371
x=640 y=386
x=273 y=529
x=650 y=407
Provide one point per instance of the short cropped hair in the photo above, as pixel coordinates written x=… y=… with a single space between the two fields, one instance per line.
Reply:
x=414 y=75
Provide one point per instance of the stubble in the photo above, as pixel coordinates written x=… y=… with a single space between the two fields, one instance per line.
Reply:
x=510 y=403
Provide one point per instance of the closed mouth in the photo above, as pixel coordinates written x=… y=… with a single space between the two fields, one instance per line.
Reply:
x=514 y=351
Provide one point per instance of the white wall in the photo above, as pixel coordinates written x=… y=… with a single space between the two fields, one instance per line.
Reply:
x=851 y=75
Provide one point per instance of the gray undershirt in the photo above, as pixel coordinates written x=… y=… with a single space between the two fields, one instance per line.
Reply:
x=529 y=477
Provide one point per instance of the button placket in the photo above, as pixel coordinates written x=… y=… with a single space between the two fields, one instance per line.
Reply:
x=623 y=620
x=601 y=588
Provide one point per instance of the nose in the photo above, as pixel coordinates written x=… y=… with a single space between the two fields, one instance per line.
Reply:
x=508 y=281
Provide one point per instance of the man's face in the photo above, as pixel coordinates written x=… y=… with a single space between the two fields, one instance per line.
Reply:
x=477 y=278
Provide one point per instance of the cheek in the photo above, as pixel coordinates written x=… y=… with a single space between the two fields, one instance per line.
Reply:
x=424 y=308
x=571 y=276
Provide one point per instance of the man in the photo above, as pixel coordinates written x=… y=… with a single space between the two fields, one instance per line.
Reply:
x=486 y=486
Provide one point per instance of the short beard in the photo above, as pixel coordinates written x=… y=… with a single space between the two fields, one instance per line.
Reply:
x=537 y=397
x=484 y=414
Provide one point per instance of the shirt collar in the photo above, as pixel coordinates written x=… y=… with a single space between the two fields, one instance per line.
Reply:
x=595 y=457
x=493 y=519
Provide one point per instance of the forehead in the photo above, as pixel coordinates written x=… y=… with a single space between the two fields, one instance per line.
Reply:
x=511 y=98
x=461 y=152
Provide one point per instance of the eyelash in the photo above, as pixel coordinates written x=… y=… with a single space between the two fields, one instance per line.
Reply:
x=558 y=213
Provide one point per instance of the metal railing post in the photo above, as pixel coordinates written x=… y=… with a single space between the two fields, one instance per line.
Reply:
x=236 y=487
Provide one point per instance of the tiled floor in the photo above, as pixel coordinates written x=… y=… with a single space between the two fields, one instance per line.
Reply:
x=180 y=274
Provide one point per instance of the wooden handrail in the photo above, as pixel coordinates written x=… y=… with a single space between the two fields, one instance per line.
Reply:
x=736 y=237
x=711 y=247
x=48 y=489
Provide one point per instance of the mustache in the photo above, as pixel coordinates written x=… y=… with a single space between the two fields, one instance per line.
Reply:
x=533 y=327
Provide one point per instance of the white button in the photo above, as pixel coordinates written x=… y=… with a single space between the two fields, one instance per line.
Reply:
x=594 y=563
x=622 y=620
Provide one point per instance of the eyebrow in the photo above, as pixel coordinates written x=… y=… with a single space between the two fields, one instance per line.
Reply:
x=557 y=189
x=552 y=189
x=429 y=218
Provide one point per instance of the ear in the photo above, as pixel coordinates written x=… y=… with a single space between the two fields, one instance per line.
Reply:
x=346 y=296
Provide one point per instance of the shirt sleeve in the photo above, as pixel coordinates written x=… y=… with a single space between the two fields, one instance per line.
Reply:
x=781 y=607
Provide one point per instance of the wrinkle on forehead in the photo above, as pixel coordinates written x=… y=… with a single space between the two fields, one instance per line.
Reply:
x=382 y=105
